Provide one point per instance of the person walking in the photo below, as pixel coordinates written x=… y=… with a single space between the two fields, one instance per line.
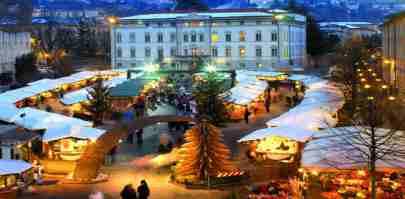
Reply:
x=246 y=114
x=143 y=190
x=128 y=192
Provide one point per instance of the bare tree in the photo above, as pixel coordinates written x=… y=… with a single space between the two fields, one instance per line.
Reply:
x=375 y=136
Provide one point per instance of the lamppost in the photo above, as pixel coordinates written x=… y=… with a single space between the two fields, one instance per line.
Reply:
x=112 y=21
x=393 y=72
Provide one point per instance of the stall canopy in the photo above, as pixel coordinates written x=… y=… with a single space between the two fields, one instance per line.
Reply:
x=247 y=90
x=8 y=112
x=68 y=131
x=9 y=167
x=130 y=88
x=331 y=150
x=290 y=132
x=34 y=119
x=317 y=110
x=81 y=94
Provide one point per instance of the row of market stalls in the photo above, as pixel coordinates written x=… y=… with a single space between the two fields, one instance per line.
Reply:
x=249 y=90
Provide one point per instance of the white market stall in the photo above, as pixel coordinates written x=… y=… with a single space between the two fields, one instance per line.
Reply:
x=11 y=170
x=34 y=119
x=68 y=142
x=8 y=112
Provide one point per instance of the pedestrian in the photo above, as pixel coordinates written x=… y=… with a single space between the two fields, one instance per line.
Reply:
x=246 y=114
x=267 y=105
x=143 y=190
x=128 y=192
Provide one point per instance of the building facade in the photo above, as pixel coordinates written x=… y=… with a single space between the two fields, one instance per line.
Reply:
x=12 y=45
x=348 y=30
x=394 y=50
x=258 y=39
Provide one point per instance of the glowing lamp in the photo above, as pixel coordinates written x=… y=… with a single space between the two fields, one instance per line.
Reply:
x=370 y=98
x=384 y=86
x=391 y=98
x=367 y=86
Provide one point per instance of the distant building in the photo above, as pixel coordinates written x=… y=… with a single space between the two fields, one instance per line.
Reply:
x=12 y=45
x=66 y=11
x=347 y=30
x=232 y=39
x=394 y=50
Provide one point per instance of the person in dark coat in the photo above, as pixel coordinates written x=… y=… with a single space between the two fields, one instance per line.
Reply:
x=128 y=192
x=143 y=190
x=246 y=115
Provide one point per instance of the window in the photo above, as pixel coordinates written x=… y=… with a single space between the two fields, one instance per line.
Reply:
x=242 y=23
x=160 y=24
x=185 y=37
x=133 y=52
x=274 y=36
x=173 y=51
x=259 y=65
x=228 y=36
x=201 y=37
x=147 y=52
x=132 y=37
x=185 y=52
x=242 y=36
x=160 y=38
x=172 y=37
x=147 y=37
x=214 y=52
x=214 y=37
x=228 y=22
x=242 y=65
x=119 y=37
x=193 y=37
x=147 y=24
x=242 y=51
x=160 y=53
x=258 y=22
x=194 y=52
x=133 y=65
x=259 y=36
x=274 y=52
x=119 y=65
x=173 y=24
x=119 y=52
x=259 y=51
x=228 y=52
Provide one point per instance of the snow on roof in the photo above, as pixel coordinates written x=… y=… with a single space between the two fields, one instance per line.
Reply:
x=290 y=132
x=75 y=96
x=321 y=101
x=81 y=94
x=345 y=23
x=216 y=14
x=9 y=167
x=68 y=131
x=8 y=112
x=246 y=91
x=331 y=150
x=34 y=119
x=16 y=95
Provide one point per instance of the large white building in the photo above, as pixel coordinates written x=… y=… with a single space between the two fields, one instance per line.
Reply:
x=12 y=45
x=233 y=39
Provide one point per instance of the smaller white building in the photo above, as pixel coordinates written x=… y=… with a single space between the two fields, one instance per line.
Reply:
x=12 y=45
x=347 y=30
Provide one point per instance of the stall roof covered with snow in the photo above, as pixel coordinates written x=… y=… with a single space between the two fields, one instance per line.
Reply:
x=290 y=132
x=10 y=167
x=69 y=131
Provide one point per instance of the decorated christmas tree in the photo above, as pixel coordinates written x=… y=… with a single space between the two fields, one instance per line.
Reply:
x=204 y=154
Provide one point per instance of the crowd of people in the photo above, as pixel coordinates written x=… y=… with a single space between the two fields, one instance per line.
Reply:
x=142 y=192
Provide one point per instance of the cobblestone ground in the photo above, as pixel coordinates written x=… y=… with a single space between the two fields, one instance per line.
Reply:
x=123 y=173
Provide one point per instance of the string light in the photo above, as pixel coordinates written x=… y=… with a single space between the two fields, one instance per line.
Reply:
x=363 y=79
x=370 y=98
x=367 y=86
x=384 y=86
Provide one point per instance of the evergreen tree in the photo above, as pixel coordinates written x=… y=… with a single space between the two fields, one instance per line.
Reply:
x=204 y=154
x=209 y=94
x=197 y=5
x=98 y=102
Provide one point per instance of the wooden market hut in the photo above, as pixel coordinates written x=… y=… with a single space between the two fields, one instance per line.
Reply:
x=14 y=173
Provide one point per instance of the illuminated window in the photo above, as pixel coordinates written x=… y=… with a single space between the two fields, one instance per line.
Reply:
x=214 y=37
x=242 y=36
x=242 y=51
x=194 y=52
x=172 y=37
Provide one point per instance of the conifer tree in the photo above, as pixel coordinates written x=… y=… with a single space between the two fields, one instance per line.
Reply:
x=98 y=102
x=204 y=154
